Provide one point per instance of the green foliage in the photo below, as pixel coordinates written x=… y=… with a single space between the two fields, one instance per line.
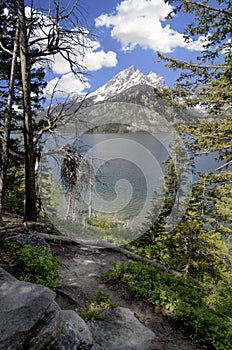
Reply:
x=207 y=79
x=14 y=195
x=102 y=221
x=37 y=265
x=110 y=128
x=50 y=191
x=202 y=309
x=198 y=244
x=214 y=136
x=96 y=306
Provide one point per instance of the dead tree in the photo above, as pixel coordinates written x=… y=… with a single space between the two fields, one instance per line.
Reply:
x=44 y=34
x=75 y=175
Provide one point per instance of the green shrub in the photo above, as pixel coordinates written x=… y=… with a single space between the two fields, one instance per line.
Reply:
x=38 y=266
x=193 y=304
x=102 y=222
x=96 y=306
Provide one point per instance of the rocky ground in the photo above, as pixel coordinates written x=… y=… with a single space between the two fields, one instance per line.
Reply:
x=83 y=274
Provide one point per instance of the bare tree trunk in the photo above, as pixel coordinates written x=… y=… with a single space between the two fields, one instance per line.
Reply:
x=7 y=126
x=69 y=206
x=90 y=211
x=30 y=212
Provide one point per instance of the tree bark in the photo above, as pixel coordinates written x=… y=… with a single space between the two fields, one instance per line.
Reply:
x=7 y=124
x=30 y=211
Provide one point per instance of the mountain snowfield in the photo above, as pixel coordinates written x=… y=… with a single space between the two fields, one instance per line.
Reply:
x=123 y=81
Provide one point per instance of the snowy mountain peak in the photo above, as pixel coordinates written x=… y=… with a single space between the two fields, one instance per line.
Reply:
x=124 y=80
x=155 y=79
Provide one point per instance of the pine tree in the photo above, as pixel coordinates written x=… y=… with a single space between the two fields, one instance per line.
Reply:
x=9 y=43
x=208 y=79
x=59 y=38
x=205 y=230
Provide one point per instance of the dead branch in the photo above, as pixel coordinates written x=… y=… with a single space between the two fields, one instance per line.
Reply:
x=5 y=49
x=224 y=165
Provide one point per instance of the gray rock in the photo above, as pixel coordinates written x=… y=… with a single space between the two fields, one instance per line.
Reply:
x=28 y=240
x=120 y=330
x=75 y=333
x=31 y=319
x=49 y=328
x=62 y=330
x=6 y=276
x=22 y=305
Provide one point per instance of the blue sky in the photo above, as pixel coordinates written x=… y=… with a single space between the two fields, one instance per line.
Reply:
x=125 y=33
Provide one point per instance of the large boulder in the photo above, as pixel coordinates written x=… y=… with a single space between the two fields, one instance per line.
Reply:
x=120 y=330
x=30 y=319
x=22 y=305
x=45 y=332
x=62 y=330
x=75 y=333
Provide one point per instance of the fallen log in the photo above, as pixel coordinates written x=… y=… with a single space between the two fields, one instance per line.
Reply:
x=107 y=245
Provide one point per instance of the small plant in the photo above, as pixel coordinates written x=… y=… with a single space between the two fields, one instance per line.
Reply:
x=37 y=265
x=96 y=306
x=102 y=222
x=205 y=316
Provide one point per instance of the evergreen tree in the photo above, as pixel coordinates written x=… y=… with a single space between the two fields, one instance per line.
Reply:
x=11 y=157
x=208 y=79
x=41 y=34
x=9 y=43
x=200 y=243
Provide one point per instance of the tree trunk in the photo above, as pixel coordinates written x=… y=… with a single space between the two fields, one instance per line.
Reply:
x=30 y=212
x=7 y=125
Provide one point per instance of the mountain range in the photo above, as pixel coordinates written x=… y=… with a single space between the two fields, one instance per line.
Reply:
x=136 y=100
x=125 y=80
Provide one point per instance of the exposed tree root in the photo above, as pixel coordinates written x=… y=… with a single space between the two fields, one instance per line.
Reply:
x=106 y=246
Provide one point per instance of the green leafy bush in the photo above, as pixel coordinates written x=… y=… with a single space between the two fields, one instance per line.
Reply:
x=191 y=303
x=38 y=266
x=95 y=307
x=102 y=222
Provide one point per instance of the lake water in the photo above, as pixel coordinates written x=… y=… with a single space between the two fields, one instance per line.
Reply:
x=127 y=169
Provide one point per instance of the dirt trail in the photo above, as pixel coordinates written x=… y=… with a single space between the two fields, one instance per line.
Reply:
x=82 y=274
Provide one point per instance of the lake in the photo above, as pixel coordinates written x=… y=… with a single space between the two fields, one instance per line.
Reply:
x=127 y=169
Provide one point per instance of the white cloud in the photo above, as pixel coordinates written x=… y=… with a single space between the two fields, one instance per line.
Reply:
x=59 y=65
x=197 y=45
x=67 y=85
x=140 y=22
x=94 y=59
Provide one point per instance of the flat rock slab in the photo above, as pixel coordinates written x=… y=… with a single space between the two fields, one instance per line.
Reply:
x=120 y=330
